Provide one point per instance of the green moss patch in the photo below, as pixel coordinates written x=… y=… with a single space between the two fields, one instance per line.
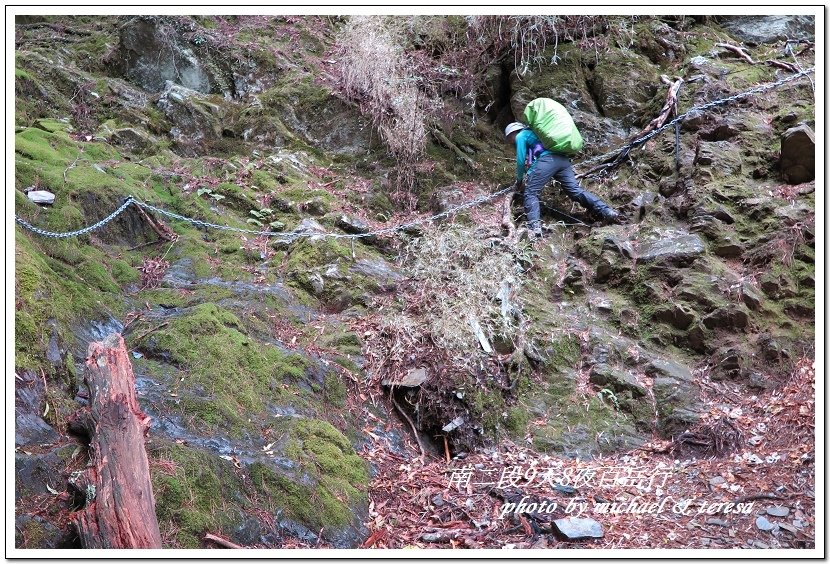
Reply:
x=192 y=490
x=341 y=476
x=237 y=371
x=47 y=288
x=585 y=427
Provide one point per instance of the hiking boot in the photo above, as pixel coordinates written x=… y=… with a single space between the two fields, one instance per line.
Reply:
x=612 y=217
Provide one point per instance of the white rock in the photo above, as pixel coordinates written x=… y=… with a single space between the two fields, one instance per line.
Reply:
x=41 y=197
x=414 y=378
x=573 y=528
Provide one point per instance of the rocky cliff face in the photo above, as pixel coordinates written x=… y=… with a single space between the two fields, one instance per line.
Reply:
x=260 y=361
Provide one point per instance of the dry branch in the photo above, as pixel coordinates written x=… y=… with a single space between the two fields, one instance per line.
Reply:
x=782 y=65
x=156 y=328
x=414 y=430
x=677 y=48
x=221 y=542
x=603 y=166
x=669 y=107
x=805 y=49
x=119 y=507
x=161 y=230
x=444 y=140
x=71 y=166
x=507 y=217
x=753 y=497
x=740 y=51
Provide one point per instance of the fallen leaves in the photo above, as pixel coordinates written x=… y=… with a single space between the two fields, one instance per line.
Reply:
x=414 y=505
x=152 y=271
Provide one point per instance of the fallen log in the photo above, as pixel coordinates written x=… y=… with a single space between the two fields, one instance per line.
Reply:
x=119 y=508
x=669 y=109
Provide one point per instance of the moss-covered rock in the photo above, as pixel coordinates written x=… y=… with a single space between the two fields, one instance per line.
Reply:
x=48 y=288
x=197 y=119
x=623 y=82
x=233 y=368
x=308 y=110
x=583 y=426
x=195 y=493
x=332 y=494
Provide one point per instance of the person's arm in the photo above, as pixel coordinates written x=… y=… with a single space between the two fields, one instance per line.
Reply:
x=521 y=155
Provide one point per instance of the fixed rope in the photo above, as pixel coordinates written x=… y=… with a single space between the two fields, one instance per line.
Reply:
x=692 y=112
x=293 y=236
x=55 y=235
x=285 y=237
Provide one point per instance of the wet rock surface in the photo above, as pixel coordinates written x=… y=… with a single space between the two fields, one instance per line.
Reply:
x=29 y=426
x=150 y=54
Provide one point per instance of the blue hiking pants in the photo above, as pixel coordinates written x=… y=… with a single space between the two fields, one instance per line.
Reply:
x=559 y=167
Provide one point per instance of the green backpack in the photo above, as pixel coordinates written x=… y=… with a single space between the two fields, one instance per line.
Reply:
x=554 y=126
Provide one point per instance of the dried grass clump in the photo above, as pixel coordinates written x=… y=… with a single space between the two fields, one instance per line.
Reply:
x=466 y=286
x=398 y=336
x=377 y=74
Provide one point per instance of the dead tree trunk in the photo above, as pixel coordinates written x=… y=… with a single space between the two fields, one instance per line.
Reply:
x=119 y=509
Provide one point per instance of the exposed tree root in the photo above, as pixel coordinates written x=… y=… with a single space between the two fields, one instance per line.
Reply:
x=414 y=429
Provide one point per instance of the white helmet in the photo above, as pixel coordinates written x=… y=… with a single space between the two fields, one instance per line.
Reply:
x=515 y=126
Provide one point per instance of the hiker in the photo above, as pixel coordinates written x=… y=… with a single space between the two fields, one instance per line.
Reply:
x=542 y=164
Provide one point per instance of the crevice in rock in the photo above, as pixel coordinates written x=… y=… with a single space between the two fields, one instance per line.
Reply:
x=593 y=87
x=409 y=400
x=503 y=94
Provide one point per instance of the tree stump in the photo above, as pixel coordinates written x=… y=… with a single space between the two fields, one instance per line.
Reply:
x=119 y=510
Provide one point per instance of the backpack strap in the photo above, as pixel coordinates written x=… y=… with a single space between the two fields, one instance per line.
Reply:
x=533 y=153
